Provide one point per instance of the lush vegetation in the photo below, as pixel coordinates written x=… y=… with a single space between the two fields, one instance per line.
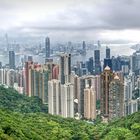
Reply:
x=36 y=125
x=11 y=100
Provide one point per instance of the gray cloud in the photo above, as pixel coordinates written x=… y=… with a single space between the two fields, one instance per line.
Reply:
x=90 y=17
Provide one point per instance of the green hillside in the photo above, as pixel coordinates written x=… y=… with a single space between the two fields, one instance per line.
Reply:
x=12 y=100
x=36 y=125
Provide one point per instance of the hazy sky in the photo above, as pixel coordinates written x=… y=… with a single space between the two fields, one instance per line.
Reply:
x=113 y=20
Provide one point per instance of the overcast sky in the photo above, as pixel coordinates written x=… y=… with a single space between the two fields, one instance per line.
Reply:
x=108 y=20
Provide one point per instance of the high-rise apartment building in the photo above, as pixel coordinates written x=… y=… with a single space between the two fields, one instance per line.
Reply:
x=106 y=78
x=65 y=68
x=89 y=103
x=36 y=79
x=97 y=86
x=116 y=98
x=67 y=100
x=82 y=83
x=27 y=77
x=54 y=97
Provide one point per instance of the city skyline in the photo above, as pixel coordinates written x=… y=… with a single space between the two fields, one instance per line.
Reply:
x=107 y=20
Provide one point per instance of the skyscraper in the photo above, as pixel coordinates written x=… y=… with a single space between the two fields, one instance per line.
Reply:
x=108 y=62
x=97 y=86
x=47 y=47
x=84 y=47
x=90 y=65
x=67 y=98
x=107 y=53
x=97 y=62
x=89 y=103
x=82 y=82
x=12 y=59
x=106 y=78
x=116 y=98
x=54 y=92
x=65 y=68
x=27 y=77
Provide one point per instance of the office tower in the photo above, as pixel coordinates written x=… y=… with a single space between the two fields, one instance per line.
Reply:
x=11 y=59
x=107 y=62
x=54 y=102
x=131 y=105
x=47 y=47
x=116 y=98
x=107 y=53
x=30 y=58
x=84 y=47
x=97 y=62
x=89 y=103
x=106 y=78
x=90 y=65
x=67 y=98
x=116 y=63
x=135 y=62
x=65 y=68
x=83 y=69
x=125 y=65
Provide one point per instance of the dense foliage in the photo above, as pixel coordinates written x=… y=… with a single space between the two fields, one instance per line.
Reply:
x=11 y=100
x=36 y=125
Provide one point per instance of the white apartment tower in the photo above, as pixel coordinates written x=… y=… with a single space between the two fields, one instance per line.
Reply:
x=54 y=97
x=67 y=100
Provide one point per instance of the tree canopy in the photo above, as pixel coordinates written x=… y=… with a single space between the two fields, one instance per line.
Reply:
x=24 y=118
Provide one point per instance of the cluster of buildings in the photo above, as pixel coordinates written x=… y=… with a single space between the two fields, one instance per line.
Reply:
x=73 y=91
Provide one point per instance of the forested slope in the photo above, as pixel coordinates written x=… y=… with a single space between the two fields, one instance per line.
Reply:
x=23 y=118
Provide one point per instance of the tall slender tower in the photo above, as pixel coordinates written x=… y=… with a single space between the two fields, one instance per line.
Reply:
x=65 y=68
x=84 y=47
x=106 y=78
x=54 y=103
x=97 y=62
x=107 y=53
x=12 y=59
x=116 y=98
x=89 y=103
x=67 y=98
x=47 y=47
